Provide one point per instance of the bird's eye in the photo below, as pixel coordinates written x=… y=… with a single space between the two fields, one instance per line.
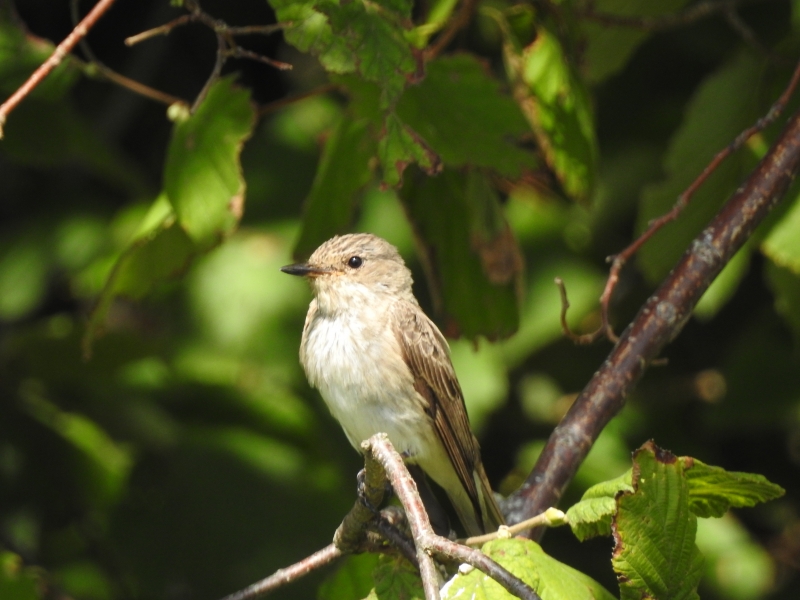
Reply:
x=355 y=261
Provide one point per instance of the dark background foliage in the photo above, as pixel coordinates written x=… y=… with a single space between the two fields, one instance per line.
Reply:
x=188 y=457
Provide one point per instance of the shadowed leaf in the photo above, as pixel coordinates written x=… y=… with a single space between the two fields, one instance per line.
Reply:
x=472 y=256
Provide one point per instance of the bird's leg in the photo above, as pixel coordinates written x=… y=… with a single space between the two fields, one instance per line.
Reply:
x=363 y=496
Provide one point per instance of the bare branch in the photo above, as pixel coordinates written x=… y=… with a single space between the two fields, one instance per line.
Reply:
x=659 y=321
x=239 y=52
x=288 y=575
x=618 y=261
x=552 y=517
x=456 y=24
x=690 y=15
x=378 y=449
x=60 y=51
x=164 y=29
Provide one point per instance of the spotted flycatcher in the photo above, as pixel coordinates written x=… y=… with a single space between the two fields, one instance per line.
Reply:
x=381 y=365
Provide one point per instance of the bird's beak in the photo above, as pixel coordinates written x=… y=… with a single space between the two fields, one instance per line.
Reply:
x=304 y=270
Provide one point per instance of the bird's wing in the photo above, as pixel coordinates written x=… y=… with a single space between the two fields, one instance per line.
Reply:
x=427 y=355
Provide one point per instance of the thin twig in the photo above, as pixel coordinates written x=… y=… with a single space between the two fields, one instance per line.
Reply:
x=378 y=449
x=552 y=517
x=219 y=62
x=455 y=25
x=619 y=260
x=587 y=338
x=258 y=29
x=60 y=51
x=687 y=16
x=104 y=71
x=283 y=576
x=164 y=29
x=239 y=52
x=743 y=29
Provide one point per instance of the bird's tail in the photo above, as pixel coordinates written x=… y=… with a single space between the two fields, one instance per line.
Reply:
x=478 y=515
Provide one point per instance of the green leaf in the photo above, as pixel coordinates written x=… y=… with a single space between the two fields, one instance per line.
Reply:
x=655 y=555
x=462 y=114
x=558 y=108
x=725 y=285
x=107 y=463
x=473 y=256
x=352 y=580
x=592 y=516
x=343 y=172
x=361 y=37
x=400 y=146
x=202 y=177
x=396 y=579
x=713 y=490
x=782 y=244
x=609 y=47
x=438 y=14
x=724 y=105
x=24 y=270
x=160 y=251
x=551 y=579
x=17 y=581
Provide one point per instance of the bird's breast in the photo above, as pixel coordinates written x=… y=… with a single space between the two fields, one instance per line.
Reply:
x=356 y=363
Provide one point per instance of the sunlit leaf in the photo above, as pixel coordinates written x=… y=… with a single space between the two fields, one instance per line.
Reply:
x=592 y=516
x=558 y=108
x=551 y=579
x=713 y=490
x=655 y=553
x=437 y=16
x=367 y=38
x=202 y=176
x=725 y=285
x=781 y=244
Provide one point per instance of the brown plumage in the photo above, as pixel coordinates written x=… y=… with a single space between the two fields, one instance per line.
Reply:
x=381 y=365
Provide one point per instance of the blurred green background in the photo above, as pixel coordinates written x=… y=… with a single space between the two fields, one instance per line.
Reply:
x=188 y=457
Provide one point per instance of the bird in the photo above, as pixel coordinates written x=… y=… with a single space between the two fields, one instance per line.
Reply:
x=381 y=365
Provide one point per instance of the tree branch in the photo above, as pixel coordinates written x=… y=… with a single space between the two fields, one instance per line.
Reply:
x=659 y=321
x=60 y=51
x=378 y=449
